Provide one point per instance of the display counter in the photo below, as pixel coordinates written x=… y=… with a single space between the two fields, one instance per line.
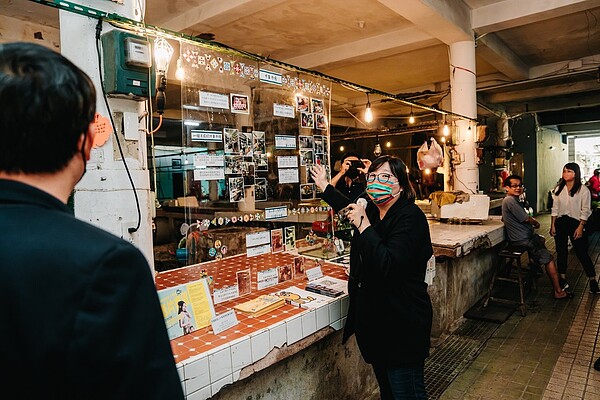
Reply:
x=465 y=257
x=206 y=362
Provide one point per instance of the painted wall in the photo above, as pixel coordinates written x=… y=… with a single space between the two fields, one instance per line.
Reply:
x=553 y=156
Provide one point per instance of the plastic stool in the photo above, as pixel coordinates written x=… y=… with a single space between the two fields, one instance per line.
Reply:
x=508 y=255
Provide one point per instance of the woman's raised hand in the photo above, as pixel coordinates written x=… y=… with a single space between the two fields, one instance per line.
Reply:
x=319 y=175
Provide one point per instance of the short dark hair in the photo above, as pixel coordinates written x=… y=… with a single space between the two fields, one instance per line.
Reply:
x=398 y=168
x=508 y=179
x=46 y=103
x=350 y=154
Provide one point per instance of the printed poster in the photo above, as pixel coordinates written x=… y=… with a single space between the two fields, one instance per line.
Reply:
x=186 y=307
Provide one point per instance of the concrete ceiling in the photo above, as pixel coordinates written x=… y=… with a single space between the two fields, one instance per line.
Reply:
x=531 y=55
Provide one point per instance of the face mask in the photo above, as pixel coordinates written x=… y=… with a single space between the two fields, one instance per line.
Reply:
x=381 y=193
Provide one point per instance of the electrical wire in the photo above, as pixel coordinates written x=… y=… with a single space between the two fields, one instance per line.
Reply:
x=105 y=97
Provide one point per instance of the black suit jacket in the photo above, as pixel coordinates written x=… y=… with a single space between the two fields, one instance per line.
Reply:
x=80 y=313
x=390 y=311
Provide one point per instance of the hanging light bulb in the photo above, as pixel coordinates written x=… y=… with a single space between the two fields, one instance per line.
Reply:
x=368 y=112
x=446 y=129
x=411 y=119
x=180 y=72
x=377 y=149
x=163 y=52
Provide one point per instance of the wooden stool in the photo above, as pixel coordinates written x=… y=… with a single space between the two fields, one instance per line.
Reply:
x=509 y=255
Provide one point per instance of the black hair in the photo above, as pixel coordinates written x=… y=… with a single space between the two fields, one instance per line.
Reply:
x=576 y=183
x=511 y=177
x=46 y=103
x=350 y=154
x=180 y=304
x=398 y=169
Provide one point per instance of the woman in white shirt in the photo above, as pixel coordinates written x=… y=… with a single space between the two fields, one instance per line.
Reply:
x=570 y=212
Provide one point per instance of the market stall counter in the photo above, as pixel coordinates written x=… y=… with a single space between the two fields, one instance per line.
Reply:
x=466 y=255
x=207 y=361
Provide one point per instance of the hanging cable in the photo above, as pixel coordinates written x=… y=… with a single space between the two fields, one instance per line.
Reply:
x=105 y=97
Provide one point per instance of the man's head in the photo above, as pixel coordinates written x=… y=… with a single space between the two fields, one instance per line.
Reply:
x=513 y=184
x=46 y=105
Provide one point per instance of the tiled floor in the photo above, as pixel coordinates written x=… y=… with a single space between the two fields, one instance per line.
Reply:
x=548 y=354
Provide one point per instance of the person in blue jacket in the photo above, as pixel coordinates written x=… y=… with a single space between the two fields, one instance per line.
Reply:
x=390 y=311
x=80 y=312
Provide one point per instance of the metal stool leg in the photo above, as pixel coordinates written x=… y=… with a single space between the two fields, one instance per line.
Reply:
x=521 y=291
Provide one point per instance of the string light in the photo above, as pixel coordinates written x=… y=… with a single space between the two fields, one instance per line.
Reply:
x=368 y=111
x=411 y=119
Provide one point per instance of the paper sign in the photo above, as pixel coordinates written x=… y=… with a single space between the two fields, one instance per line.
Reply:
x=209 y=160
x=258 y=250
x=287 y=161
x=285 y=142
x=206 y=136
x=258 y=238
x=267 y=278
x=283 y=110
x=209 y=174
x=314 y=273
x=276 y=212
x=270 y=77
x=103 y=130
x=288 y=175
x=214 y=100
x=223 y=322
x=225 y=293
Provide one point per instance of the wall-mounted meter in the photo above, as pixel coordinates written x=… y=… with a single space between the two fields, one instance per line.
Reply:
x=128 y=70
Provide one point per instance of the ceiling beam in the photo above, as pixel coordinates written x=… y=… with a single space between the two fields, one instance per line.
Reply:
x=447 y=21
x=495 y=52
x=555 y=103
x=216 y=13
x=561 y=89
x=387 y=44
x=513 y=13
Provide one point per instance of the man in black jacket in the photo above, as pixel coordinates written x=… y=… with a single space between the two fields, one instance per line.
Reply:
x=80 y=313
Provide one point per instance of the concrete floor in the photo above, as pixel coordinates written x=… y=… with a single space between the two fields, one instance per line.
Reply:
x=548 y=353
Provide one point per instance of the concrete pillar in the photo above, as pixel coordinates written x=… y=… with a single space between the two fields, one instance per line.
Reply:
x=104 y=196
x=464 y=102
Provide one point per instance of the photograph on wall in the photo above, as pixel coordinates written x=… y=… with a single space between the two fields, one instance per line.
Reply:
x=243 y=281
x=248 y=173
x=246 y=145
x=306 y=142
x=276 y=240
x=261 y=161
x=258 y=143
x=319 y=149
x=284 y=273
x=302 y=103
x=320 y=122
x=231 y=143
x=239 y=104
x=307 y=191
x=318 y=160
x=260 y=189
x=307 y=120
x=307 y=157
x=236 y=189
x=289 y=233
x=234 y=165
x=298 y=267
x=317 y=106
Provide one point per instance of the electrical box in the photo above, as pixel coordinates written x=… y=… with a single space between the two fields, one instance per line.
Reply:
x=128 y=70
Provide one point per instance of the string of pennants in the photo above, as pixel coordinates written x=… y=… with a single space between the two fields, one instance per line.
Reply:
x=259 y=216
x=215 y=63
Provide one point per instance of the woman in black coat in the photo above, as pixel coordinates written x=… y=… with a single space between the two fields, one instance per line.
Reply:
x=390 y=311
